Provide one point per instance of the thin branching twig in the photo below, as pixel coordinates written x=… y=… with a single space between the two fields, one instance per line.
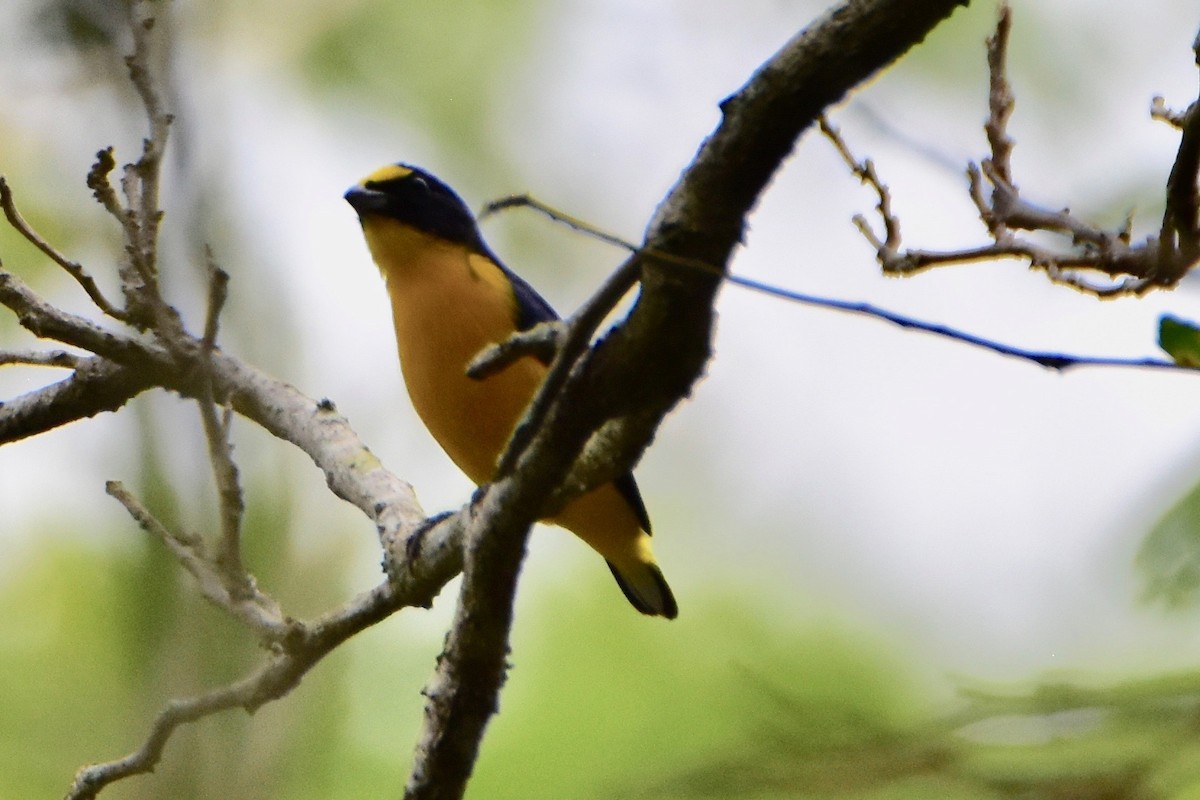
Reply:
x=1130 y=268
x=218 y=293
x=48 y=358
x=536 y=342
x=255 y=609
x=72 y=268
x=230 y=501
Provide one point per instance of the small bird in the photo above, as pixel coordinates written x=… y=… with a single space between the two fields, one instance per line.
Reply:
x=452 y=297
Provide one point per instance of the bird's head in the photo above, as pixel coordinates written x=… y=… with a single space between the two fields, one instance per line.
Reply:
x=412 y=196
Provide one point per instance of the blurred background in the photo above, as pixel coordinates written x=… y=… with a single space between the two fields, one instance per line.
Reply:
x=858 y=521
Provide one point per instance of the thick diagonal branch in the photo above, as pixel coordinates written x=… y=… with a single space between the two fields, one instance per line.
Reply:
x=97 y=385
x=650 y=362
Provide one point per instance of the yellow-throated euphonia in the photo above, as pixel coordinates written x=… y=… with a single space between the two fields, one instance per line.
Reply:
x=451 y=297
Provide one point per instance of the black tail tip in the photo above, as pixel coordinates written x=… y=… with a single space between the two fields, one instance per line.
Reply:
x=651 y=596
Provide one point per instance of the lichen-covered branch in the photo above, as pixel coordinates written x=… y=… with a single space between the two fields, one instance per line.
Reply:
x=156 y=350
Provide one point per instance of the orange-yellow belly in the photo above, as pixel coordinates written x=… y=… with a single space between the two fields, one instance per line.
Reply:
x=438 y=332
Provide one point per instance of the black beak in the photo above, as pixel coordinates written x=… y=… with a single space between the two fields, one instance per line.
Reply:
x=366 y=201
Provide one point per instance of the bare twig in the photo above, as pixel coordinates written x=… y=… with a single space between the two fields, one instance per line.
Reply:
x=1000 y=102
x=140 y=215
x=72 y=268
x=133 y=282
x=256 y=610
x=97 y=385
x=300 y=649
x=1056 y=361
x=229 y=497
x=542 y=341
x=1159 y=111
x=305 y=644
x=48 y=358
x=530 y=342
x=47 y=322
x=528 y=201
x=102 y=190
x=90 y=780
x=1160 y=261
x=142 y=193
x=865 y=170
x=218 y=292
x=220 y=449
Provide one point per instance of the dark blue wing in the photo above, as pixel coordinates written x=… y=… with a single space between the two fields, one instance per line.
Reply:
x=532 y=308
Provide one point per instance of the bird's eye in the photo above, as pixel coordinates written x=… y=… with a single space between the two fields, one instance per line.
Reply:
x=424 y=184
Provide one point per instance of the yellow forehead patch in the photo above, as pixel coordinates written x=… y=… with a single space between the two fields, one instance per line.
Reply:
x=391 y=172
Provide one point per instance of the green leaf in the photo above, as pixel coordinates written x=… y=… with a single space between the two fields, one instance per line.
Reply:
x=1180 y=339
x=1169 y=557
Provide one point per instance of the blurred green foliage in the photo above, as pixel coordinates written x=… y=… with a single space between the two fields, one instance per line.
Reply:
x=599 y=705
x=414 y=62
x=93 y=642
x=1169 y=556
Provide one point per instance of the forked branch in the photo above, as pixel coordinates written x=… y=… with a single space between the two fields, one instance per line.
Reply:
x=1160 y=261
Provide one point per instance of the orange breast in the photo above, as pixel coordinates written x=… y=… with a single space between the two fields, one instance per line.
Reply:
x=447 y=305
